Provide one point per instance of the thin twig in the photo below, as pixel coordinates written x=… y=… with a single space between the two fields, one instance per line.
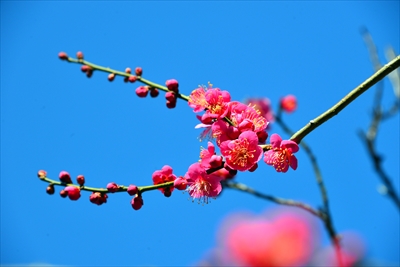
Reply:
x=378 y=116
x=327 y=218
x=376 y=77
x=282 y=201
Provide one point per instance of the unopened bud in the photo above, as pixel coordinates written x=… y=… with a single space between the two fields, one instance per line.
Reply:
x=79 y=55
x=132 y=190
x=63 y=193
x=154 y=92
x=132 y=78
x=42 y=174
x=139 y=71
x=137 y=202
x=111 y=77
x=50 y=189
x=63 y=56
x=80 y=179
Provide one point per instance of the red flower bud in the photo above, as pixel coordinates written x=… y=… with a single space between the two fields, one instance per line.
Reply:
x=172 y=85
x=289 y=103
x=42 y=174
x=171 y=104
x=137 y=202
x=154 y=92
x=142 y=91
x=170 y=96
x=180 y=183
x=73 y=192
x=50 y=189
x=63 y=193
x=98 y=198
x=80 y=179
x=85 y=68
x=139 y=71
x=132 y=78
x=111 y=77
x=79 y=55
x=132 y=190
x=63 y=56
x=112 y=187
x=65 y=177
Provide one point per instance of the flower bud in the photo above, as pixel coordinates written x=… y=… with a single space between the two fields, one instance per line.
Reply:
x=80 y=179
x=112 y=187
x=171 y=104
x=79 y=55
x=180 y=183
x=98 y=198
x=154 y=92
x=63 y=56
x=137 y=202
x=172 y=85
x=63 y=193
x=142 y=91
x=50 y=189
x=132 y=190
x=111 y=77
x=170 y=96
x=128 y=70
x=262 y=137
x=74 y=193
x=167 y=192
x=289 y=103
x=132 y=78
x=139 y=71
x=42 y=174
x=65 y=177
x=85 y=68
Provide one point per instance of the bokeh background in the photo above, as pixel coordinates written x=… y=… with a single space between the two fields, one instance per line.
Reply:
x=54 y=118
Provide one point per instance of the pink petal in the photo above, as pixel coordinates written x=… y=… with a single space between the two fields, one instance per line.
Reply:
x=293 y=146
x=275 y=140
x=293 y=162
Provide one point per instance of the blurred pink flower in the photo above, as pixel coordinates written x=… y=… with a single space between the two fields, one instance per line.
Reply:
x=289 y=103
x=286 y=238
x=263 y=105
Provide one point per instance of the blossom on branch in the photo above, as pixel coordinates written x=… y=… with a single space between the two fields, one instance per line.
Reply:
x=243 y=153
x=202 y=185
x=281 y=154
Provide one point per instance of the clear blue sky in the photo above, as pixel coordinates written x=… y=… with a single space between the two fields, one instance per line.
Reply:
x=54 y=118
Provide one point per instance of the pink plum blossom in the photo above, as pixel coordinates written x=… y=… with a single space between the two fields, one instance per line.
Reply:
x=263 y=105
x=213 y=100
x=243 y=153
x=202 y=185
x=163 y=176
x=281 y=154
x=208 y=158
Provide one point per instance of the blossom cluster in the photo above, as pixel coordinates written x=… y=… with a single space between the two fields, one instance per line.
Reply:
x=238 y=130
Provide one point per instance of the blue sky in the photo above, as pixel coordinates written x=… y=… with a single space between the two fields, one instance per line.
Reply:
x=54 y=118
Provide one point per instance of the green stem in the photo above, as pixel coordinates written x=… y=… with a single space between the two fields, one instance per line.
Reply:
x=122 y=188
x=376 y=77
x=125 y=74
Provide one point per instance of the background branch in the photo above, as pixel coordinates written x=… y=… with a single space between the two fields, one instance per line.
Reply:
x=378 y=116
